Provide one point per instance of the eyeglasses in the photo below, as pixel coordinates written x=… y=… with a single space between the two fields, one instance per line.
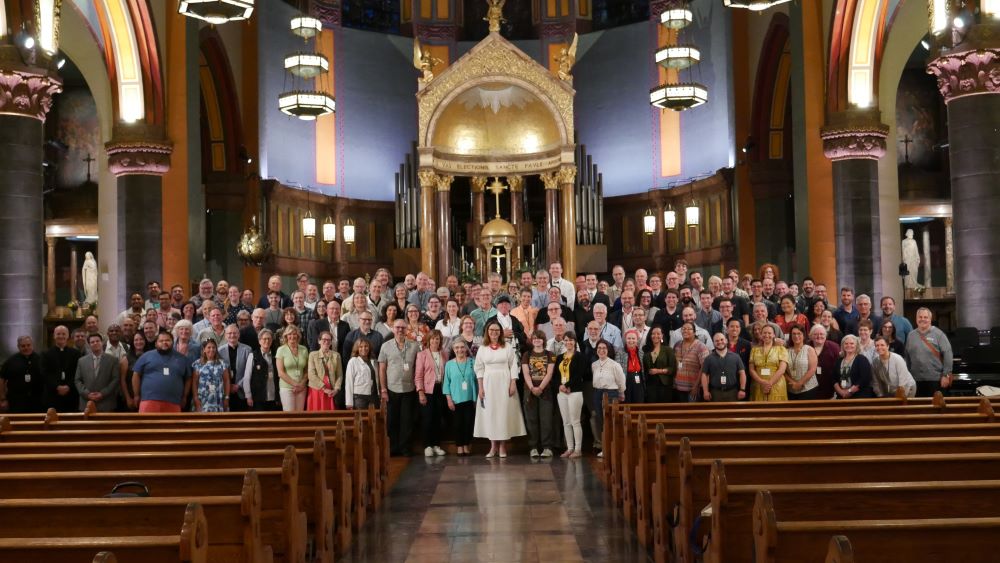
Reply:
x=366 y=319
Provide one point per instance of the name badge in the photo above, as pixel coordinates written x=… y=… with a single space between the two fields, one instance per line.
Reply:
x=722 y=380
x=27 y=378
x=166 y=371
x=680 y=365
x=63 y=376
x=465 y=386
x=406 y=366
x=845 y=384
x=819 y=370
x=765 y=372
x=637 y=379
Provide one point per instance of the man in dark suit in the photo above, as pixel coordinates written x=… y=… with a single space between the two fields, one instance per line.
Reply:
x=333 y=310
x=235 y=354
x=58 y=369
x=97 y=376
x=248 y=334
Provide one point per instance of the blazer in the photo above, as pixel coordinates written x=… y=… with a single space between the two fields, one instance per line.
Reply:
x=664 y=360
x=317 y=372
x=105 y=380
x=423 y=376
x=243 y=353
x=579 y=371
x=319 y=325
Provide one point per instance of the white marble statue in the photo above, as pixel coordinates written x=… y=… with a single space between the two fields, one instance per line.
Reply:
x=911 y=257
x=89 y=278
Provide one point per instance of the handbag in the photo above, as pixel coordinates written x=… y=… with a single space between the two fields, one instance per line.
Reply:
x=116 y=491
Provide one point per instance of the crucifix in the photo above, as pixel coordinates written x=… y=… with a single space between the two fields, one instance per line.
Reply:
x=499 y=255
x=88 y=160
x=906 y=147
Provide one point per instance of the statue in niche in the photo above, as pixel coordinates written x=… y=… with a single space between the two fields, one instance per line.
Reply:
x=89 y=276
x=566 y=59
x=495 y=15
x=911 y=257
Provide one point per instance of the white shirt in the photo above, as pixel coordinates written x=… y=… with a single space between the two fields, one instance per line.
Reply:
x=700 y=334
x=608 y=374
x=567 y=289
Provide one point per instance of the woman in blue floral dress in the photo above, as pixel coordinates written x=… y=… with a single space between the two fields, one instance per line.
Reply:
x=210 y=380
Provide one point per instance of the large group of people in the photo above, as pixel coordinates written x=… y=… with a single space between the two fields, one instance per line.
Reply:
x=489 y=360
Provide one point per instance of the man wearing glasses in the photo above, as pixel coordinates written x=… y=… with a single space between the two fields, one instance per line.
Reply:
x=365 y=330
x=396 y=361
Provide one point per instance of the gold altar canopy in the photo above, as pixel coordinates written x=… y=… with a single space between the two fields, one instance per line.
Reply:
x=494 y=112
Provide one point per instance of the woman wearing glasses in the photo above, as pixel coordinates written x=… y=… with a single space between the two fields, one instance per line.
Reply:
x=498 y=415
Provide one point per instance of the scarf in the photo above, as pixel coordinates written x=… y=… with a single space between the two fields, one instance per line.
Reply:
x=634 y=365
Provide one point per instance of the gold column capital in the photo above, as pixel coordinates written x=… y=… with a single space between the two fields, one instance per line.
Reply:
x=516 y=183
x=427 y=178
x=444 y=182
x=478 y=184
x=550 y=179
x=566 y=174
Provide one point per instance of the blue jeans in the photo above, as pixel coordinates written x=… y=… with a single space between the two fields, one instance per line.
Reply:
x=599 y=394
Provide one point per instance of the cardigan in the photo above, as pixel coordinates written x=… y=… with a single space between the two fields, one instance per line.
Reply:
x=578 y=371
x=664 y=360
x=424 y=377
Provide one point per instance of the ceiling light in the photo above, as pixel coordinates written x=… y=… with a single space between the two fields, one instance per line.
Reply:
x=329 y=230
x=306 y=27
x=306 y=65
x=678 y=56
x=753 y=5
x=306 y=105
x=649 y=222
x=216 y=12
x=678 y=97
x=669 y=218
x=676 y=18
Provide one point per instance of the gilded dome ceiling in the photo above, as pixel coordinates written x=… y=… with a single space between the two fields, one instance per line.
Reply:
x=496 y=120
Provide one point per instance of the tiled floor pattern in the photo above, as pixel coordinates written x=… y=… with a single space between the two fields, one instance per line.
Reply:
x=472 y=509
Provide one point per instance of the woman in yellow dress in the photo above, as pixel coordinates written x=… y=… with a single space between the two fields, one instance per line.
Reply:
x=768 y=363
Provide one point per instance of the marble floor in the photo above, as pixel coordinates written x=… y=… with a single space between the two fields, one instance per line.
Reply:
x=516 y=509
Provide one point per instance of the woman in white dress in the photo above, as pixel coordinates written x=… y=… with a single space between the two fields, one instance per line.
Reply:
x=498 y=414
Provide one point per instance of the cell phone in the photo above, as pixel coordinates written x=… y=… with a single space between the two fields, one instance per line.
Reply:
x=482 y=402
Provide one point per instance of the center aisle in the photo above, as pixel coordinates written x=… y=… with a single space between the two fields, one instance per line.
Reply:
x=517 y=509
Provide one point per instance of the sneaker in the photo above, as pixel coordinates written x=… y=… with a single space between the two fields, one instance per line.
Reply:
x=546 y=453
x=534 y=453
x=600 y=454
x=438 y=451
x=428 y=452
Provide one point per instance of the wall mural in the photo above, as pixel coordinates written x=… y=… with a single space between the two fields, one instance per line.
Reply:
x=920 y=121
x=78 y=130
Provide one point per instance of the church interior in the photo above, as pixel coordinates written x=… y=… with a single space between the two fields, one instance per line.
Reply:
x=424 y=153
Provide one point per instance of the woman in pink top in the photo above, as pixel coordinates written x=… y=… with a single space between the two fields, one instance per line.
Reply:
x=427 y=377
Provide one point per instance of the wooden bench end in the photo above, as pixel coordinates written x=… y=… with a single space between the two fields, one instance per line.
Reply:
x=938 y=400
x=51 y=417
x=840 y=550
x=194 y=535
x=986 y=409
x=105 y=557
x=4 y=424
x=765 y=526
x=901 y=394
x=90 y=409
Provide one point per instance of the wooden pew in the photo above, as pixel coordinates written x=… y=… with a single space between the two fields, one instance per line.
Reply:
x=234 y=521
x=105 y=557
x=188 y=545
x=375 y=455
x=658 y=465
x=695 y=475
x=732 y=506
x=778 y=539
x=628 y=445
x=347 y=502
x=840 y=550
x=283 y=526
x=315 y=499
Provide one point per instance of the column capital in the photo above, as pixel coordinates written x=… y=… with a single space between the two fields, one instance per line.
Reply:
x=25 y=90
x=444 y=182
x=138 y=149
x=970 y=68
x=478 y=184
x=550 y=179
x=566 y=174
x=516 y=183
x=854 y=134
x=427 y=178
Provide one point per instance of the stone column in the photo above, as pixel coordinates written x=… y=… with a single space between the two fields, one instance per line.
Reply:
x=567 y=188
x=926 y=232
x=551 y=181
x=74 y=263
x=949 y=256
x=854 y=140
x=428 y=235
x=444 y=227
x=138 y=156
x=25 y=98
x=50 y=274
x=517 y=219
x=968 y=76
x=478 y=220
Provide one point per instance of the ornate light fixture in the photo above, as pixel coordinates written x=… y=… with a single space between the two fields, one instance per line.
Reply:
x=753 y=5
x=309 y=225
x=306 y=65
x=253 y=248
x=216 y=12
x=329 y=230
x=678 y=56
x=306 y=27
x=669 y=218
x=306 y=105
x=678 y=97
x=648 y=222
x=676 y=18
x=349 y=232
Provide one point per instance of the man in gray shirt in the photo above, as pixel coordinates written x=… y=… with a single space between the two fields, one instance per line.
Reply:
x=723 y=376
x=929 y=356
x=707 y=317
x=396 y=361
